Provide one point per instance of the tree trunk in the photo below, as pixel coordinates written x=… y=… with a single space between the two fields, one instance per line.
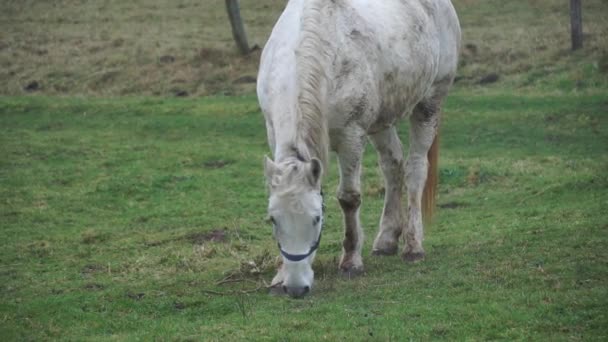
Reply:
x=238 y=30
x=576 y=24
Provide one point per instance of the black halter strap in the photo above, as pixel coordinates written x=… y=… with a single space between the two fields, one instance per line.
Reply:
x=300 y=257
x=313 y=248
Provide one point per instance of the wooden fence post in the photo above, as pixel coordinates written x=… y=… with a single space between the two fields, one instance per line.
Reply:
x=576 y=24
x=238 y=30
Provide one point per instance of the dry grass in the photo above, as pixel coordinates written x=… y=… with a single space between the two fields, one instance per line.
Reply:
x=529 y=41
x=161 y=47
x=151 y=47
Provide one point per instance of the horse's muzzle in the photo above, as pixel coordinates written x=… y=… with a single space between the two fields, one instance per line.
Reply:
x=296 y=292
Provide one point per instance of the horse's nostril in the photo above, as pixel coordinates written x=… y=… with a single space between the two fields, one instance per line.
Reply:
x=306 y=289
x=284 y=288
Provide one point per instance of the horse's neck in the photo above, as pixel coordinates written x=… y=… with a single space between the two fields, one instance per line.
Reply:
x=290 y=139
x=305 y=125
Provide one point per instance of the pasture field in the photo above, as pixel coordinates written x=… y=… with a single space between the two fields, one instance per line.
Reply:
x=144 y=218
x=132 y=200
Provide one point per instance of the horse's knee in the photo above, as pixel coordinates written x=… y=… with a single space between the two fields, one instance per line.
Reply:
x=349 y=200
x=396 y=172
x=416 y=171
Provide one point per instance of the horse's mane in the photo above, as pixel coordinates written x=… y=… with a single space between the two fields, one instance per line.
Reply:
x=312 y=59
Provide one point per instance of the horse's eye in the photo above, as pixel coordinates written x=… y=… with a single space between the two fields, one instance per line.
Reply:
x=316 y=220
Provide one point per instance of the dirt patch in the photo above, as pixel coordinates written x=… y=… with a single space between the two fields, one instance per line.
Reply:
x=136 y=296
x=245 y=79
x=195 y=238
x=93 y=287
x=217 y=164
x=90 y=237
x=453 y=205
x=180 y=93
x=92 y=268
x=551 y=118
x=470 y=48
x=32 y=86
x=215 y=57
x=489 y=78
x=553 y=138
x=217 y=235
x=166 y=59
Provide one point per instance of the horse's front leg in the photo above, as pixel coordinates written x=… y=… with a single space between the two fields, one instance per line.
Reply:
x=392 y=223
x=350 y=151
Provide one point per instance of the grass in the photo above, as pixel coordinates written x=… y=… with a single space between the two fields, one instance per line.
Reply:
x=185 y=48
x=143 y=218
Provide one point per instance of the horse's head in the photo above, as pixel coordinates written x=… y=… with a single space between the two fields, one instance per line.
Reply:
x=295 y=209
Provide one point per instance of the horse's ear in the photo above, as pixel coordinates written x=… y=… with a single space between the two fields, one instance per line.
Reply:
x=316 y=171
x=270 y=168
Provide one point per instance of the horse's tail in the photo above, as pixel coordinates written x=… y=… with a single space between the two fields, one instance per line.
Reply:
x=430 y=188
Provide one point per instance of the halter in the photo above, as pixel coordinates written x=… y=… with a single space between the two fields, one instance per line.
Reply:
x=313 y=248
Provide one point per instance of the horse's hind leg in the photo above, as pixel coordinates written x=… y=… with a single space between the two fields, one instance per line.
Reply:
x=350 y=153
x=389 y=148
x=424 y=122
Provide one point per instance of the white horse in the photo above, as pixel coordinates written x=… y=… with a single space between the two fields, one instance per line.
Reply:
x=333 y=73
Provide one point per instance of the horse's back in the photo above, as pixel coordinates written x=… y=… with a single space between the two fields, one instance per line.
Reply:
x=392 y=53
x=401 y=31
x=385 y=56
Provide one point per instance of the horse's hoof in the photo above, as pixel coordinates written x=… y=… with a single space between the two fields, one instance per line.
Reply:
x=385 y=251
x=351 y=272
x=412 y=257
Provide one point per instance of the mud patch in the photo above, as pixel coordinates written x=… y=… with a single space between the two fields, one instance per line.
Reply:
x=180 y=93
x=93 y=287
x=215 y=57
x=553 y=139
x=216 y=235
x=245 y=79
x=471 y=48
x=552 y=118
x=136 y=296
x=489 y=78
x=195 y=238
x=453 y=205
x=166 y=59
x=92 y=269
x=90 y=237
x=217 y=164
x=32 y=86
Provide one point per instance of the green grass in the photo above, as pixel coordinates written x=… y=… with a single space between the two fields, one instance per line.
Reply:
x=107 y=205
